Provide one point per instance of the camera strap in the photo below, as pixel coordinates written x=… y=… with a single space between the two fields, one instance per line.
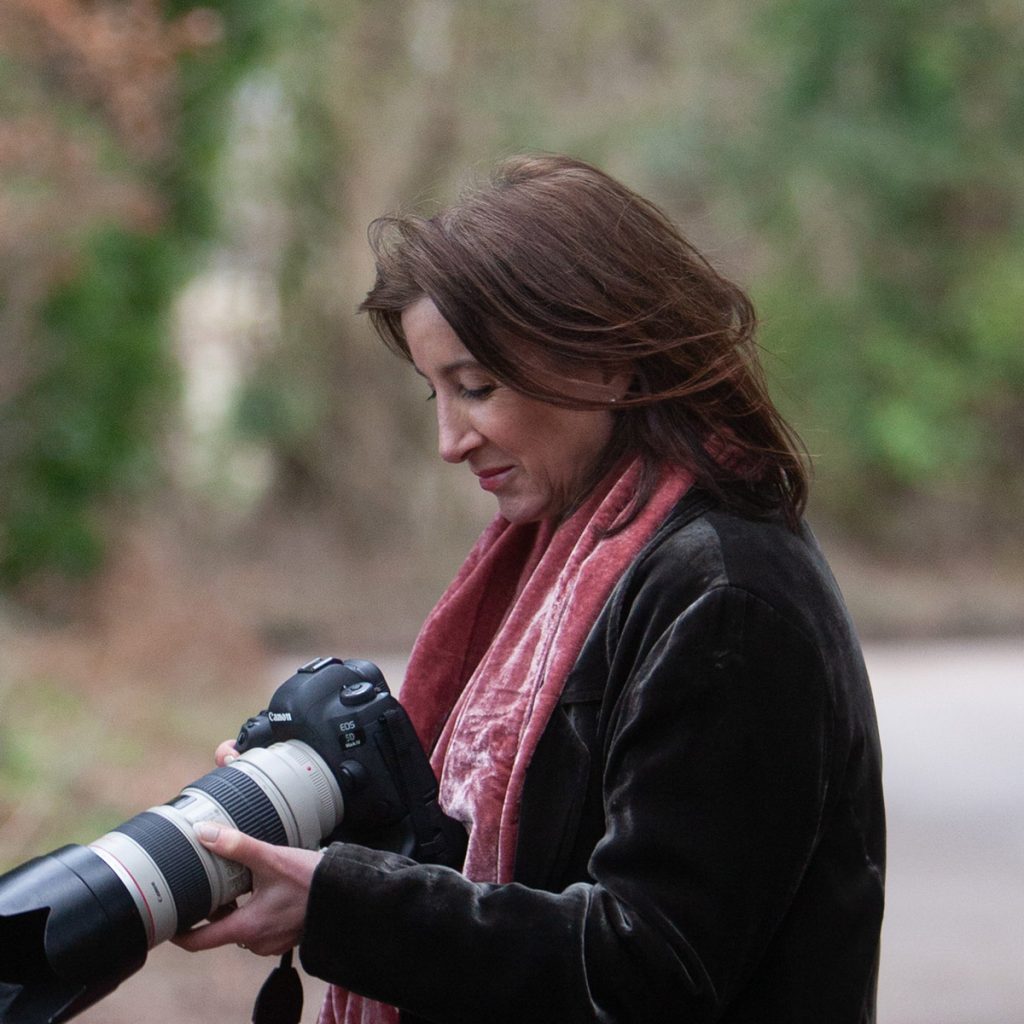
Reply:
x=435 y=838
x=280 y=998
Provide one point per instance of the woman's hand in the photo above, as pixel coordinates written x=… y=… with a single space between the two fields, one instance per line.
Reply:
x=271 y=920
x=225 y=753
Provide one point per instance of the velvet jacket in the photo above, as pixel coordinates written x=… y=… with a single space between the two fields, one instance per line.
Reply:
x=702 y=832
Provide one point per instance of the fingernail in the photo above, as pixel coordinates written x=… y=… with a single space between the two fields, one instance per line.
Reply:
x=228 y=758
x=207 y=831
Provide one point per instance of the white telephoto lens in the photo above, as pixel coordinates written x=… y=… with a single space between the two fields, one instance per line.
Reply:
x=283 y=794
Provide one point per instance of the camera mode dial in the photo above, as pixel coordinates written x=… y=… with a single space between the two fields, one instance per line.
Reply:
x=354 y=694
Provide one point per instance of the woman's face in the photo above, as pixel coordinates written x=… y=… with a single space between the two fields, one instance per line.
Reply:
x=534 y=457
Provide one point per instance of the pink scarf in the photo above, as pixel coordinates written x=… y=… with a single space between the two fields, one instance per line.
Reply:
x=492 y=658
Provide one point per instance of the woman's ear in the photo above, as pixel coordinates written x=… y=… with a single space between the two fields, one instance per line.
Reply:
x=617 y=382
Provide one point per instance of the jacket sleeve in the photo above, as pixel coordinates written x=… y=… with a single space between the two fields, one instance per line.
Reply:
x=715 y=775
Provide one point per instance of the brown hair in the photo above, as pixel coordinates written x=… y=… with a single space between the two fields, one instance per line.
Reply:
x=555 y=259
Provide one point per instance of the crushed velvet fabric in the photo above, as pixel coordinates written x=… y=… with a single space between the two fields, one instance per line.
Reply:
x=492 y=658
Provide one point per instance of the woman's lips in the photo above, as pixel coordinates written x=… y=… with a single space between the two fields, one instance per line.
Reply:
x=492 y=479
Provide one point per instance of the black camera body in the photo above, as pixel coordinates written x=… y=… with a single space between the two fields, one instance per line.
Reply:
x=345 y=711
x=333 y=757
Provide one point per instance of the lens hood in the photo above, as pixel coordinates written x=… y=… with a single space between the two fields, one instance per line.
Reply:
x=70 y=934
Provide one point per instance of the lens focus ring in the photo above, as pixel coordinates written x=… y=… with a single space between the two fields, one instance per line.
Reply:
x=177 y=860
x=245 y=802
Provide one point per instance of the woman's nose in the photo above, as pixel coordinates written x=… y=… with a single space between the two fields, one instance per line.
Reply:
x=456 y=436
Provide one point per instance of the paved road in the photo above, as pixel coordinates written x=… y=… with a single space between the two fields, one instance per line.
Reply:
x=952 y=722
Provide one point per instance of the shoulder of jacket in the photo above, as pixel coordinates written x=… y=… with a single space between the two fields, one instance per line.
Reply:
x=702 y=548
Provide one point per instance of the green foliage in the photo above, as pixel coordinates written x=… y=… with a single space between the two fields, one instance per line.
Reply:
x=886 y=173
x=877 y=145
x=81 y=432
x=84 y=423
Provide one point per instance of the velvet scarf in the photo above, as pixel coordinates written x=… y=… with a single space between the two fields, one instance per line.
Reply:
x=492 y=658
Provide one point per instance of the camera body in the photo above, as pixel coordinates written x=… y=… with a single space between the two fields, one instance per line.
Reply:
x=332 y=757
x=345 y=711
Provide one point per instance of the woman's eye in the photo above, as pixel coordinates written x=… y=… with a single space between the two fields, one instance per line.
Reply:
x=472 y=394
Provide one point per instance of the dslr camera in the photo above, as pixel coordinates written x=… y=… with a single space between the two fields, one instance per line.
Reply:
x=333 y=757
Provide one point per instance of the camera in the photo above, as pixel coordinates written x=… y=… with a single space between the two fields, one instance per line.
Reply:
x=333 y=757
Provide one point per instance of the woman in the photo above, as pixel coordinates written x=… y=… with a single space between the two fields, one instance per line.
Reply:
x=642 y=692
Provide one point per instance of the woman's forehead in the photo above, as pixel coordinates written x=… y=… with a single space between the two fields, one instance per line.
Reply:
x=431 y=341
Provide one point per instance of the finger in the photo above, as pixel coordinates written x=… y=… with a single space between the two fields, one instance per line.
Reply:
x=221 y=912
x=208 y=936
x=263 y=932
x=250 y=931
x=222 y=928
x=231 y=844
x=225 y=753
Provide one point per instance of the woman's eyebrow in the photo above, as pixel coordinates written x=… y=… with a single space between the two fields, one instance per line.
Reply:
x=449 y=368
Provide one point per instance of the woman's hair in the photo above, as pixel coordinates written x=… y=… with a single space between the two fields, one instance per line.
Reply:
x=554 y=264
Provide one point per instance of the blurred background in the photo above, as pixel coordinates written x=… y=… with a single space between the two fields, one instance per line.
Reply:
x=210 y=471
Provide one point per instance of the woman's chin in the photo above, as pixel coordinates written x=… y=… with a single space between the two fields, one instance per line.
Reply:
x=519 y=510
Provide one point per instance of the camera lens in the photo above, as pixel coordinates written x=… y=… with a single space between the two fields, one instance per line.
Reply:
x=283 y=794
x=78 y=921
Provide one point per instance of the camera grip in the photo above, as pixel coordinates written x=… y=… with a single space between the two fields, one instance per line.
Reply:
x=436 y=838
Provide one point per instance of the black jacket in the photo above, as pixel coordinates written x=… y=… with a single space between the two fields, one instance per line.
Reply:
x=702 y=829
